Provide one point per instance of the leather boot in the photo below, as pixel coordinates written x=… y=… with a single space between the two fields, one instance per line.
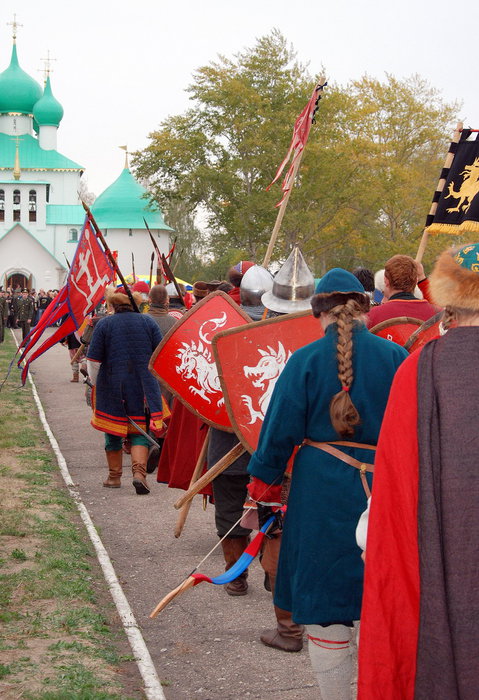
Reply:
x=76 y=378
x=114 y=460
x=233 y=548
x=288 y=636
x=139 y=456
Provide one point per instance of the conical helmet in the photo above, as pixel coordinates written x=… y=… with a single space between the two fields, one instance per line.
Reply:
x=293 y=286
x=256 y=281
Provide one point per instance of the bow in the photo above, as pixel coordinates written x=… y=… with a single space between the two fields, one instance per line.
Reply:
x=236 y=570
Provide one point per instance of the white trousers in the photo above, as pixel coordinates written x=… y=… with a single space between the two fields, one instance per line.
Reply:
x=333 y=652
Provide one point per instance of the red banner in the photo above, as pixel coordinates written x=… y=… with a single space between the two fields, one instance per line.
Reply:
x=88 y=276
x=250 y=360
x=184 y=362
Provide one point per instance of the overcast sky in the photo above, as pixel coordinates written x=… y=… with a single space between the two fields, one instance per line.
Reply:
x=121 y=68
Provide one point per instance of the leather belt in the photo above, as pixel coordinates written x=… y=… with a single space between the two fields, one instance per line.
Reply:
x=362 y=466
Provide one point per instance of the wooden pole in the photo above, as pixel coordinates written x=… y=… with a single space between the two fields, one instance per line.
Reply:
x=172 y=278
x=151 y=268
x=211 y=474
x=111 y=258
x=133 y=268
x=183 y=514
x=284 y=203
x=281 y=213
x=440 y=188
x=159 y=271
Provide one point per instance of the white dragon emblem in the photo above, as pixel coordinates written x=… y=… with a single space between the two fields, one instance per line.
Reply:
x=197 y=364
x=266 y=373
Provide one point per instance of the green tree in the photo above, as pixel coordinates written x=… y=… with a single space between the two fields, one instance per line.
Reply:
x=366 y=180
x=222 y=153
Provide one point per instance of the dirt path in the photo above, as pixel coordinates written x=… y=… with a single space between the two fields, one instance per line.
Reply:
x=206 y=644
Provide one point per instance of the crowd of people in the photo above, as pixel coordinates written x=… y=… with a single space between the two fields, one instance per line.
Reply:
x=22 y=308
x=345 y=406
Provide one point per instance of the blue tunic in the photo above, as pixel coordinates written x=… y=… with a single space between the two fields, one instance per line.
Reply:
x=320 y=569
x=124 y=343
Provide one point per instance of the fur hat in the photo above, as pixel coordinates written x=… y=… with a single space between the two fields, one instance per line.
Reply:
x=455 y=279
x=200 y=289
x=336 y=288
x=117 y=297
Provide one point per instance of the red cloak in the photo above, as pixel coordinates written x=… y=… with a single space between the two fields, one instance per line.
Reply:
x=390 y=608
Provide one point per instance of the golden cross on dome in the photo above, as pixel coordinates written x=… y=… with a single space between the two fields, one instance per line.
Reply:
x=48 y=68
x=14 y=26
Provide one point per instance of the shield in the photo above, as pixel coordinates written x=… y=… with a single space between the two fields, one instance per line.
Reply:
x=397 y=329
x=250 y=360
x=184 y=362
x=429 y=330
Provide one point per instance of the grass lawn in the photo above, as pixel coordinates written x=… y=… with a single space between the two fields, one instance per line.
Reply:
x=59 y=634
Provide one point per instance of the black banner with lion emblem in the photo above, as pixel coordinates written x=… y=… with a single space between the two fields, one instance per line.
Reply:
x=458 y=205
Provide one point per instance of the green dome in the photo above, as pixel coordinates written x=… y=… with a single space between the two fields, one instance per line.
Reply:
x=123 y=205
x=18 y=92
x=48 y=111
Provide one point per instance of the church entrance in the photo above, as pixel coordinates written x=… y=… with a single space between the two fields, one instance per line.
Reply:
x=17 y=280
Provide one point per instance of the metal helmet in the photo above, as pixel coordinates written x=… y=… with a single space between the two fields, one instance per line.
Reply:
x=256 y=281
x=293 y=286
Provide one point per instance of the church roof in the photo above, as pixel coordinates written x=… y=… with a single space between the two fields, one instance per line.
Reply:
x=32 y=157
x=48 y=111
x=18 y=91
x=68 y=214
x=123 y=205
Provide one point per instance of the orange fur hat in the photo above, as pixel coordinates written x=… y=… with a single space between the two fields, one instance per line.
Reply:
x=455 y=278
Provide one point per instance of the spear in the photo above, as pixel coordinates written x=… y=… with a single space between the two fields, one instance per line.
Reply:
x=151 y=268
x=172 y=278
x=133 y=267
x=111 y=258
x=159 y=270
x=297 y=147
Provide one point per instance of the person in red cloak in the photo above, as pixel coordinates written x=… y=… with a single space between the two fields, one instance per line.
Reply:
x=420 y=614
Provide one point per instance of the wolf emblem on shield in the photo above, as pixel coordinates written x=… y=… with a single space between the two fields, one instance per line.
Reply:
x=264 y=376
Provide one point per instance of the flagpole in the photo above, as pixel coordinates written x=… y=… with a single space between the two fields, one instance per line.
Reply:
x=439 y=189
x=282 y=209
x=110 y=257
x=281 y=212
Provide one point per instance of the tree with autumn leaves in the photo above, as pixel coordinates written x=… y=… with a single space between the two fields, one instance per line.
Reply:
x=366 y=179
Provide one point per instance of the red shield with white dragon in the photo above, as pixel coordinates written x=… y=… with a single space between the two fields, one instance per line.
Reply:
x=250 y=360
x=184 y=362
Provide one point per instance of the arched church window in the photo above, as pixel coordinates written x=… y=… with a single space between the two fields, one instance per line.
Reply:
x=32 y=205
x=2 y=205
x=73 y=234
x=16 y=205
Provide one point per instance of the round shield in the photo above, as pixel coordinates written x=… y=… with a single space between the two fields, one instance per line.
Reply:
x=397 y=329
x=429 y=330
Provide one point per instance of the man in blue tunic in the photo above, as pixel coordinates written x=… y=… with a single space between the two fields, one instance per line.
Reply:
x=330 y=400
x=118 y=357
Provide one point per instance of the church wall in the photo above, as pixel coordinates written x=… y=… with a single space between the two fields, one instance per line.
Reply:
x=16 y=125
x=139 y=243
x=20 y=253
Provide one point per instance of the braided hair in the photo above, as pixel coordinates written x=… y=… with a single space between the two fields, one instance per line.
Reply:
x=344 y=308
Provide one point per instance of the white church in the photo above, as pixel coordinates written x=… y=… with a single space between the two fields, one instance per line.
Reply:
x=41 y=215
